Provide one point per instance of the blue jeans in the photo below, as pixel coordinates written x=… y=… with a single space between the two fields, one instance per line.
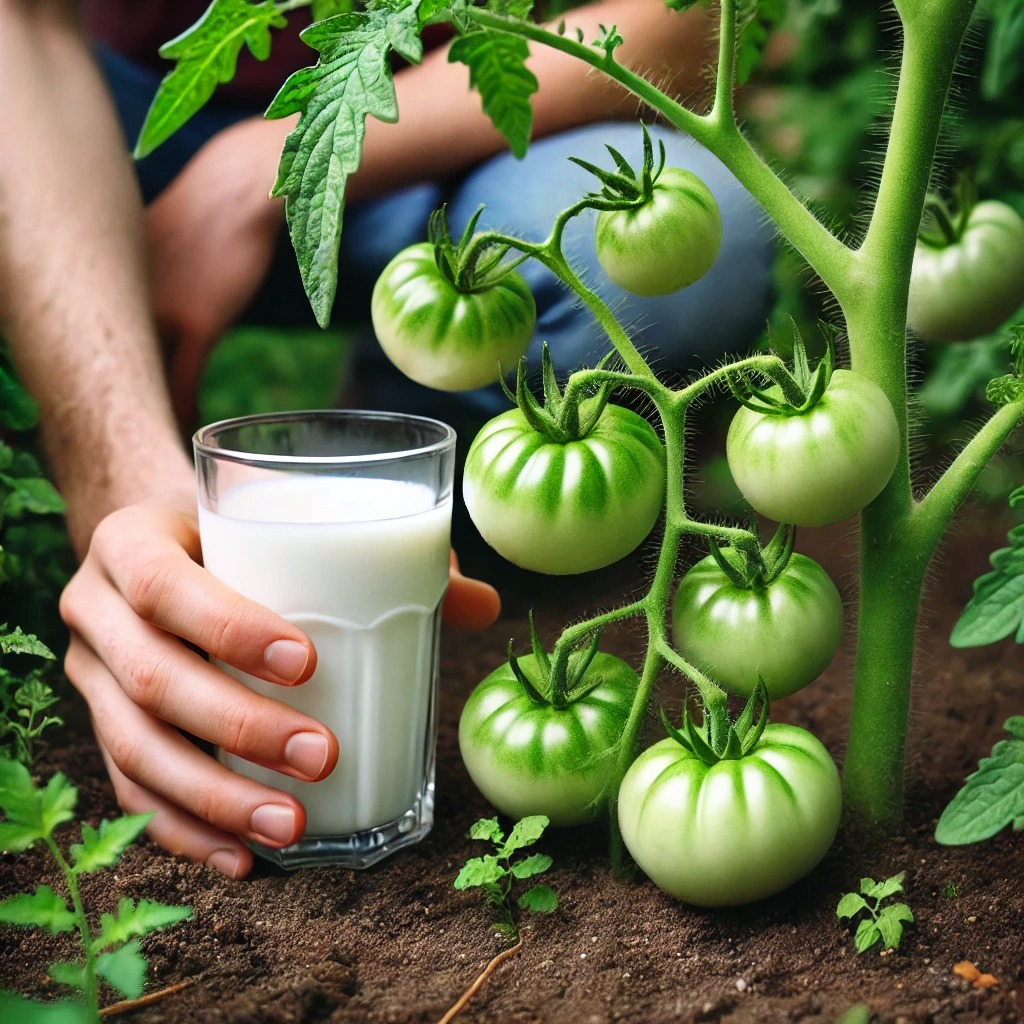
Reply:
x=724 y=312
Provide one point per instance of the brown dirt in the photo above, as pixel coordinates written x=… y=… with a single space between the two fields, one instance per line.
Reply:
x=398 y=943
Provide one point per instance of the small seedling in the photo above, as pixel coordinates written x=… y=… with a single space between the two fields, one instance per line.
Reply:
x=24 y=698
x=885 y=924
x=112 y=953
x=496 y=872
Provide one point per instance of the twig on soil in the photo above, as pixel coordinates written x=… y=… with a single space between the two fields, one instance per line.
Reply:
x=504 y=955
x=127 y=1005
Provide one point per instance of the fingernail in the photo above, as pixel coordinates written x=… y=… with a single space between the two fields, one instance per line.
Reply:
x=224 y=861
x=307 y=752
x=273 y=821
x=286 y=659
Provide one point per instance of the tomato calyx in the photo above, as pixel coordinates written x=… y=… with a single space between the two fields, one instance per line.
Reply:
x=756 y=567
x=718 y=737
x=472 y=264
x=562 y=680
x=796 y=391
x=944 y=222
x=625 y=189
x=561 y=418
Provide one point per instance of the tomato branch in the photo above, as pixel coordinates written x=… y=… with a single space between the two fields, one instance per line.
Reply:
x=723 y=111
x=825 y=253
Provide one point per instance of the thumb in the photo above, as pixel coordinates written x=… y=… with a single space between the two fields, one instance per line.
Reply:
x=470 y=603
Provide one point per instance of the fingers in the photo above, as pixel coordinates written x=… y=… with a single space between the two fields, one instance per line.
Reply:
x=470 y=603
x=174 y=684
x=200 y=804
x=150 y=555
x=177 y=831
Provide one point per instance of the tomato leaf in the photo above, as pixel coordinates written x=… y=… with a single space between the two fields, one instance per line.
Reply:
x=42 y=908
x=18 y=409
x=992 y=797
x=206 y=55
x=497 y=70
x=541 y=899
x=15 y=1007
x=866 y=935
x=102 y=848
x=996 y=608
x=124 y=969
x=133 y=919
x=879 y=891
x=525 y=832
x=67 y=972
x=535 y=864
x=486 y=870
x=352 y=80
x=23 y=643
x=852 y=903
x=890 y=923
x=487 y=829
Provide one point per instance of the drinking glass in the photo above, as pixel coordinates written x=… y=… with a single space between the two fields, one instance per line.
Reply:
x=340 y=522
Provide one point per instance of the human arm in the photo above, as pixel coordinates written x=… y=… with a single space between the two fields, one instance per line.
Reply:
x=221 y=195
x=74 y=309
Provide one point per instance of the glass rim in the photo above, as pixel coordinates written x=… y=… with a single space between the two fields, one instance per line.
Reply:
x=204 y=445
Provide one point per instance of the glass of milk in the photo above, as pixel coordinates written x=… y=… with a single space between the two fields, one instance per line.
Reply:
x=340 y=522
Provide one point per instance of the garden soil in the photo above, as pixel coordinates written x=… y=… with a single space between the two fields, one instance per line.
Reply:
x=398 y=943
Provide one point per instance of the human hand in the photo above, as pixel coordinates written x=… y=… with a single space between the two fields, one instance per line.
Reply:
x=212 y=235
x=139 y=593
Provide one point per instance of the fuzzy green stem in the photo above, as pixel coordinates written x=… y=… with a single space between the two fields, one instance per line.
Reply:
x=895 y=544
x=90 y=992
x=723 y=112
x=825 y=253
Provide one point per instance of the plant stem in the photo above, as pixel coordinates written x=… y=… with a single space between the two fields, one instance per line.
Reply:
x=895 y=544
x=90 y=991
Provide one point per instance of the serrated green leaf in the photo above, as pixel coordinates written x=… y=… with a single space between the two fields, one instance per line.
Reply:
x=102 y=848
x=34 y=495
x=535 y=864
x=17 y=791
x=541 y=899
x=124 y=969
x=15 y=1008
x=131 y=920
x=57 y=802
x=18 y=642
x=991 y=798
x=525 y=832
x=866 y=936
x=67 y=972
x=206 y=56
x=898 y=912
x=497 y=70
x=852 y=903
x=351 y=81
x=890 y=928
x=480 y=871
x=487 y=829
x=41 y=909
x=996 y=608
x=18 y=838
x=882 y=890
x=34 y=696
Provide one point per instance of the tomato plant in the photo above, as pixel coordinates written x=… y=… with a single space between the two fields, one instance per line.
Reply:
x=530 y=750
x=559 y=498
x=782 y=623
x=448 y=324
x=820 y=464
x=969 y=282
x=723 y=831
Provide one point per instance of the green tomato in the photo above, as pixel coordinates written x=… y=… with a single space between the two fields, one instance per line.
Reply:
x=442 y=337
x=565 y=508
x=821 y=466
x=531 y=758
x=787 y=631
x=735 y=831
x=665 y=244
x=971 y=286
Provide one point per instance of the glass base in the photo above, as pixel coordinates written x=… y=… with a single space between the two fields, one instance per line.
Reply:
x=358 y=849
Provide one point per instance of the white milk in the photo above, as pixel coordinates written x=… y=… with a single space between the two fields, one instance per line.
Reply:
x=361 y=567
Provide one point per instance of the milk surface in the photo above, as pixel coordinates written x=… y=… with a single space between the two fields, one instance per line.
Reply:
x=361 y=566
